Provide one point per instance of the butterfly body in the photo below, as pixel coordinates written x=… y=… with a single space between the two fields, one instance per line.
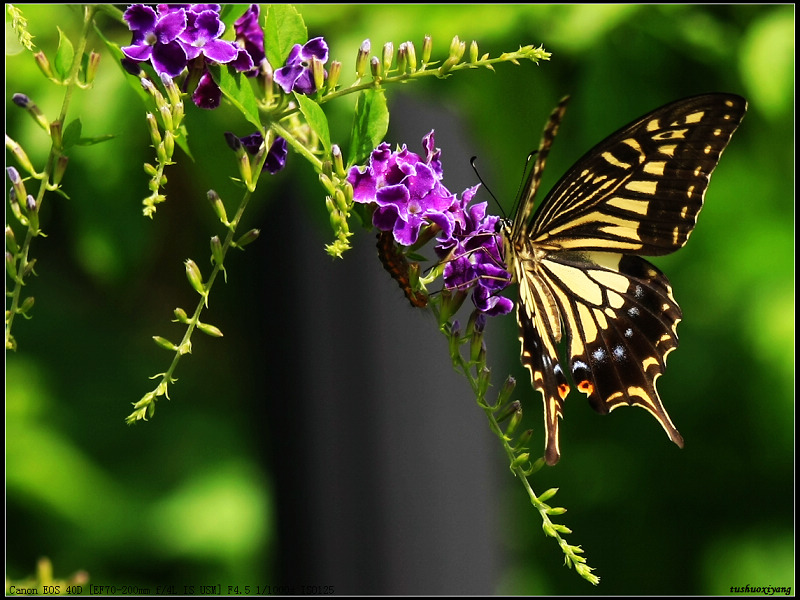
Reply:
x=576 y=258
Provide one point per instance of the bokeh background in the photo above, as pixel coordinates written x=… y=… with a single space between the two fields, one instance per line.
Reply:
x=325 y=440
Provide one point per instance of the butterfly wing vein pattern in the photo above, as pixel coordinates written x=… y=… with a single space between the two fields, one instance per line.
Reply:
x=638 y=192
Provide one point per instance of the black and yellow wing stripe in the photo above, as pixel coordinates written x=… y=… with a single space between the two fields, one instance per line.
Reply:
x=637 y=192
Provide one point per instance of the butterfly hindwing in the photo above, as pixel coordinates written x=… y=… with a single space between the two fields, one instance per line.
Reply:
x=637 y=192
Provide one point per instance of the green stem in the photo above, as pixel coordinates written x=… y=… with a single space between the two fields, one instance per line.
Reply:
x=33 y=232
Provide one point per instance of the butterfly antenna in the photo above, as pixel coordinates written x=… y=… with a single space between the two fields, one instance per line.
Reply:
x=486 y=187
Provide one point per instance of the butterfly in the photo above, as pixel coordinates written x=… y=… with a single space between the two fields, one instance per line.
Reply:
x=576 y=258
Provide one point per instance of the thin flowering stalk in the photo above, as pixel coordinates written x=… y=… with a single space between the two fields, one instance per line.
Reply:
x=519 y=459
x=55 y=161
x=145 y=407
x=530 y=52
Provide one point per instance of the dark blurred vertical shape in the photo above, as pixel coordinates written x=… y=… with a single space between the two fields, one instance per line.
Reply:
x=384 y=465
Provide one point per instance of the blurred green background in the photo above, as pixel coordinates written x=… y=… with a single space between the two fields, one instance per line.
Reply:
x=199 y=495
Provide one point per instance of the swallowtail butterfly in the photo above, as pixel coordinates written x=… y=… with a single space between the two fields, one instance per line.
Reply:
x=638 y=192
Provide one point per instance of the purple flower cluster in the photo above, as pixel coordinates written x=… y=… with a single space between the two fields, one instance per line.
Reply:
x=409 y=196
x=175 y=37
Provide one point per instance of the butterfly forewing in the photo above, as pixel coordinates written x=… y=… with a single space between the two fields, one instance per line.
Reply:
x=637 y=192
x=640 y=190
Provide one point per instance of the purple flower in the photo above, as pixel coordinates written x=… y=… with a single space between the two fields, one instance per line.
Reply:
x=476 y=257
x=407 y=190
x=155 y=37
x=200 y=37
x=250 y=37
x=296 y=74
x=207 y=93
x=276 y=157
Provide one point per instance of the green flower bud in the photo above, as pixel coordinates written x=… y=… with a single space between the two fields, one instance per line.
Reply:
x=505 y=392
x=341 y=201
x=150 y=170
x=60 y=169
x=20 y=155
x=173 y=93
x=164 y=343
x=334 y=72
x=427 y=47
x=402 y=59
x=362 y=58
x=248 y=238
x=166 y=117
x=155 y=133
x=57 y=134
x=457 y=48
x=556 y=511
x=375 y=67
x=92 y=65
x=194 y=276
x=169 y=144
x=388 y=55
x=11 y=240
x=209 y=329
x=15 y=208
x=545 y=496
x=11 y=265
x=520 y=460
x=507 y=411
x=218 y=206
x=411 y=53
x=473 y=52
x=44 y=64
x=338 y=161
x=217 y=254
x=181 y=316
x=317 y=72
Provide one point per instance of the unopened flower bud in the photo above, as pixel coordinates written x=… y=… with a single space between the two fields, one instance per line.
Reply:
x=43 y=64
x=60 y=169
x=166 y=117
x=248 y=238
x=20 y=155
x=173 y=93
x=520 y=460
x=11 y=240
x=341 y=201
x=164 y=343
x=333 y=75
x=155 y=133
x=30 y=203
x=181 y=316
x=217 y=254
x=402 y=59
x=388 y=55
x=338 y=161
x=209 y=329
x=194 y=276
x=362 y=58
x=218 y=206
x=26 y=305
x=516 y=419
x=427 y=47
x=57 y=134
x=505 y=392
x=457 y=48
x=29 y=105
x=473 y=52
x=411 y=54
x=11 y=265
x=91 y=68
x=318 y=73
x=169 y=145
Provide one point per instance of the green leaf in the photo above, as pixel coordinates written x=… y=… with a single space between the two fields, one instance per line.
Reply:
x=284 y=29
x=316 y=119
x=370 y=124
x=237 y=89
x=72 y=134
x=64 y=55
x=230 y=13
